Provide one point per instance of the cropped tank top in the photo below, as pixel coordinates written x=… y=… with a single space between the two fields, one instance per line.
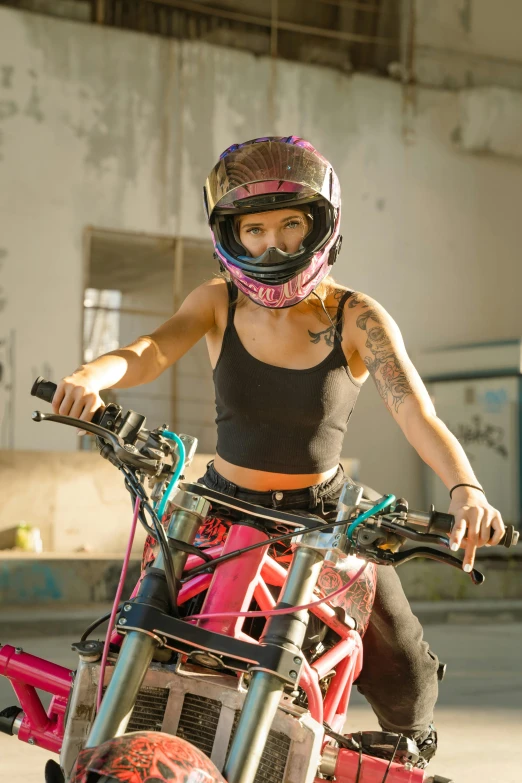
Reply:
x=281 y=420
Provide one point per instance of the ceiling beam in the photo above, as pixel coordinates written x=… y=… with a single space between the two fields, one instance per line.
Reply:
x=265 y=21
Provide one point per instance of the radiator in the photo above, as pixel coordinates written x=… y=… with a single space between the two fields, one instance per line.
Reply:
x=202 y=707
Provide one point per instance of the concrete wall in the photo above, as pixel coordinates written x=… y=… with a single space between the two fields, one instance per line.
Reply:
x=118 y=130
x=468 y=43
x=78 y=501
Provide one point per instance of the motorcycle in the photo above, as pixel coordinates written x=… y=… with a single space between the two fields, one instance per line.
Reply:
x=223 y=665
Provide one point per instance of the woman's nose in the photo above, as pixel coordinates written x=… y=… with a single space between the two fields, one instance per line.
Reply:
x=276 y=239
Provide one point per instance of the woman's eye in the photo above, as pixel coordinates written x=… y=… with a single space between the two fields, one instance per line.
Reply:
x=294 y=224
x=254 y=231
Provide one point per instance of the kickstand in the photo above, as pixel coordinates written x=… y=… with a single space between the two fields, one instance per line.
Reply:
x=53 y=772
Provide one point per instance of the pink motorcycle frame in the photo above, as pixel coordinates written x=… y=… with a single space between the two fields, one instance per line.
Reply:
x=229 y=589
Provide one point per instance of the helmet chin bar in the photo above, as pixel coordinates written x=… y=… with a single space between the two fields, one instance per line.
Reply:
x=275 y=274
x=273 y=258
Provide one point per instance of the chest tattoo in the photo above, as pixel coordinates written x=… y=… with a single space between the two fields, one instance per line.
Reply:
x=327 y=334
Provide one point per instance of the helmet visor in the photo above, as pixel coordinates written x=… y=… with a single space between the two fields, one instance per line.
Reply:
x=274 y=170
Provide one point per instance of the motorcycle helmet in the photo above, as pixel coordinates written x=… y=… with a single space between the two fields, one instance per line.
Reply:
x=145 y=757
x=262 y=175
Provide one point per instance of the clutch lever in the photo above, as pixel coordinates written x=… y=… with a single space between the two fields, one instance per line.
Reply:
x=398 y=558
x=125 y=452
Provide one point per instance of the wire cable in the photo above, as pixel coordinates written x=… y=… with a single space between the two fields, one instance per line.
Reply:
x=215 y=561
x=177 y=473
x=117 y=599
x=388 y=500
x=160 y=536
x=287 y=610
x=334 y=326
x=391 y=760
x=285 y=537
x=92 y=627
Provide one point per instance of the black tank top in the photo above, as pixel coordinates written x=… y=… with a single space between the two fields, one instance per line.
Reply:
x=281 y=420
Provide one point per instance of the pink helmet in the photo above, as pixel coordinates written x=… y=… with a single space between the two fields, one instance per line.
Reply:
x=145 y=757
x=274 y=172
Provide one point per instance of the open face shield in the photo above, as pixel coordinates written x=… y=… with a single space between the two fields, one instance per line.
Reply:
x=275 y=266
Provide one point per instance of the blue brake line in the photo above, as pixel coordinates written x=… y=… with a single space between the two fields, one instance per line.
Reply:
x=387 y=501
x=177 y=473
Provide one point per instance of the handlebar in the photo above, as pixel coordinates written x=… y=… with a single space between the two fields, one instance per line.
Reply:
x=45 y=390
x=438 y=523
x=123 y=439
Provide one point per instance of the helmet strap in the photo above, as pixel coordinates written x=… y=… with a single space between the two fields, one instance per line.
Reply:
x=334 y=326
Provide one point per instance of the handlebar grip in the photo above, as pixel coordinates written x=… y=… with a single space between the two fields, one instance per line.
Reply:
x=443 y=525
x=43 y=389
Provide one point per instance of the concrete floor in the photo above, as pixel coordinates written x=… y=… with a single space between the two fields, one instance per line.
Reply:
x=479 y=715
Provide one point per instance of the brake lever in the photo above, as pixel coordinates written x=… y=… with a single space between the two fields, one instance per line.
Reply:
x=397 y=558
x=124 y=452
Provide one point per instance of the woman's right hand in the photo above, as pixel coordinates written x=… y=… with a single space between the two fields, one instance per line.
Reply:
x=77 y=395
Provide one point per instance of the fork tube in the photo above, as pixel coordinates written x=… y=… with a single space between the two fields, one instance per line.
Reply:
x=265 y=689
x=119 y=700
x=138 y=647
x=183 y=527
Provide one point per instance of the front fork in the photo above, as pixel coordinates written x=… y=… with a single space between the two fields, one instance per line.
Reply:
x=138 y=647
x=264 y=692
x=288 y=631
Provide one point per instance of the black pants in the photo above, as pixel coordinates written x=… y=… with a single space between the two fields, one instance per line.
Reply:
x=399 y=676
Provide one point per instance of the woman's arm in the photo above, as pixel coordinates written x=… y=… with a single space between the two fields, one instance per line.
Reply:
x=378 y=341
x=140 y=362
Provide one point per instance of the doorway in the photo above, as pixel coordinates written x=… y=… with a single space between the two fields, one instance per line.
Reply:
x=133 y=283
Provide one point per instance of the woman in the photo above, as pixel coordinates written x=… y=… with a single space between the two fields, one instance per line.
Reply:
x=290 y=350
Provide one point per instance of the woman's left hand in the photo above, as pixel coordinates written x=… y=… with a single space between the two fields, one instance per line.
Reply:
x=476 y=523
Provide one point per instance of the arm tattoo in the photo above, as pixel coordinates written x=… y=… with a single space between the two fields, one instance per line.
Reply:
x=356 y=299
x=385 y=368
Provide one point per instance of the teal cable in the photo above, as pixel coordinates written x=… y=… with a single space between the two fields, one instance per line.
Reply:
x=388 y=500
x=177 y=473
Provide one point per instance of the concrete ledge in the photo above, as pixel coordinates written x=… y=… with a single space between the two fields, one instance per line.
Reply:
x=71 y=621
x=467 y=612
x=426 y=580
x=30 y=581
x=80 y=579
x=64 y=621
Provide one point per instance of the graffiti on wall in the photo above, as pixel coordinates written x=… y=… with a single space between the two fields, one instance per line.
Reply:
x=479 y=432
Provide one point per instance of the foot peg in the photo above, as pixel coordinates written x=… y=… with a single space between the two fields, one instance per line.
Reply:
x=8 y=718
x=387 y=745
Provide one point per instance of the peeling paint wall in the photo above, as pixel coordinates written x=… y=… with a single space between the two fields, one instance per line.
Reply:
x=118 y=130
x=468 y=43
